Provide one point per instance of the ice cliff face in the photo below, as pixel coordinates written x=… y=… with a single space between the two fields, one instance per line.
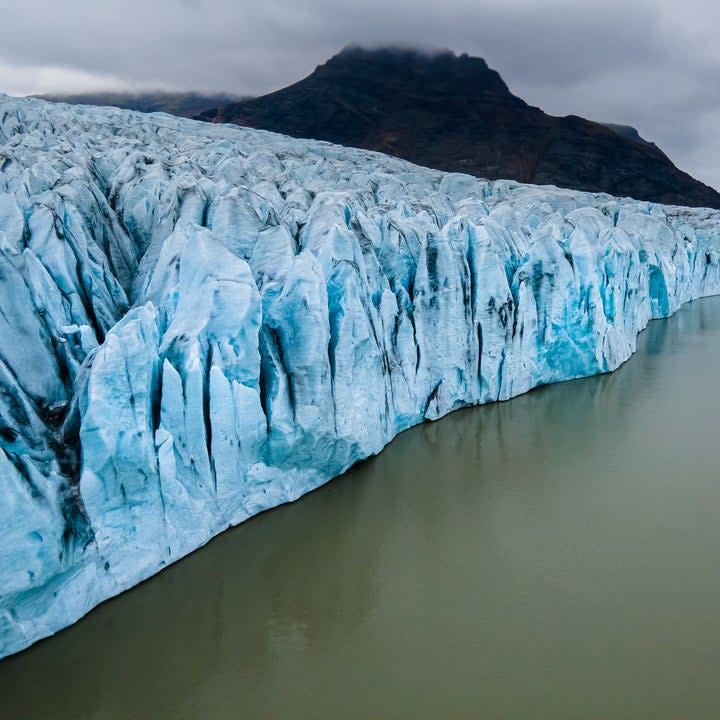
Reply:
x=201 y=322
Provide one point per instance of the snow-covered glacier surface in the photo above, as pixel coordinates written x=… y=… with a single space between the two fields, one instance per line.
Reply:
x=200 y=322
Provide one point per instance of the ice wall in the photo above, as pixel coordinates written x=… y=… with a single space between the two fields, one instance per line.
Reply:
x=201 y=322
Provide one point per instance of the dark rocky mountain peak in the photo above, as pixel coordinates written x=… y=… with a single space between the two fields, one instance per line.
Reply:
x=454 y=113
x=438 y=71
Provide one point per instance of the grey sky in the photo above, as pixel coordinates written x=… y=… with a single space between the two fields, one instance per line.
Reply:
x=654 y=64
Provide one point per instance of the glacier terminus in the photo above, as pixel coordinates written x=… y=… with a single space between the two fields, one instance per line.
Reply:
x=200 y=322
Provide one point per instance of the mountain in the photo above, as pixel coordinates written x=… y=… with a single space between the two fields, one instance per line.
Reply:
x=187 y=104
x=201 y=322
x=456 y=114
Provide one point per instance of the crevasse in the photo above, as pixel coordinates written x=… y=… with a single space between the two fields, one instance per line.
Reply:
x=201 y=322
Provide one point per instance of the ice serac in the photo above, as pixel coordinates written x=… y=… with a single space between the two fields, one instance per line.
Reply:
x=201 y=322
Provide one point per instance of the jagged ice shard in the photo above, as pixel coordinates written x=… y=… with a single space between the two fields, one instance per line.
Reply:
x=200 y=322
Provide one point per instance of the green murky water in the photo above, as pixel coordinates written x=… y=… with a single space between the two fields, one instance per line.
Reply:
x=556 y=556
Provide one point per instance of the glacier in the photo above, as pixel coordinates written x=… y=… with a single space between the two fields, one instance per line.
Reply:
x=200 y=322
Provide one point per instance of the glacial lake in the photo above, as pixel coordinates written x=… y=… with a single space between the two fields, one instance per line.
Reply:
x=555 y=556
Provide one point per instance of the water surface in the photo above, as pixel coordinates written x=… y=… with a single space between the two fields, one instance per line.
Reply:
x=555 y=556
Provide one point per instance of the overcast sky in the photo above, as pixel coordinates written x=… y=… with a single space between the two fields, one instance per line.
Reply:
x=654 y=64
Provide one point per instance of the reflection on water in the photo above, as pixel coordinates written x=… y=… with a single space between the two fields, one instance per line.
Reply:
x=555 y=556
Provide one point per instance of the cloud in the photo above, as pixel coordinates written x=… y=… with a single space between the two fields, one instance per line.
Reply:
x=651 y=64
x=33 y=80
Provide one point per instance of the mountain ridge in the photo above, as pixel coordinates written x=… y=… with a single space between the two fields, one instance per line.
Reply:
x=454 y=113
x=182 y=104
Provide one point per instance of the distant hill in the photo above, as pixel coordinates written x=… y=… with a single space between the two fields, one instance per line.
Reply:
x=454 y=113
x=188 y=104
